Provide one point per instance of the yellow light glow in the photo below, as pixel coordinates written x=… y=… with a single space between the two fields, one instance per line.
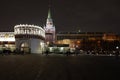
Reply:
x=66 y=41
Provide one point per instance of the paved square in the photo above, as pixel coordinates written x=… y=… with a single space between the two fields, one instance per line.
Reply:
x=59 y=67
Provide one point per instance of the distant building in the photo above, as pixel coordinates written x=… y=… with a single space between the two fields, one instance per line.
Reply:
x=7 y=41
x=88 y=40
x=58 y=48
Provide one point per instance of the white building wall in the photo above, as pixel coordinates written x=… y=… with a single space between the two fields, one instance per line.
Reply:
x=18 y=42
x=7 y=36
x=29 y=34
x=36 y=46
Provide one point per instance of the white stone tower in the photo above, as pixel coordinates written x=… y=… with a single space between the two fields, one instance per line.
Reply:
x=29 y=38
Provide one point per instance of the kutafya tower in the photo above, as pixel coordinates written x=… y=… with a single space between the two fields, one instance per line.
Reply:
x=49 y=30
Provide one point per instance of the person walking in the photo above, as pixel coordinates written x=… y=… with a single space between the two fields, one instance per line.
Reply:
x=117 y=55
x=47 y=52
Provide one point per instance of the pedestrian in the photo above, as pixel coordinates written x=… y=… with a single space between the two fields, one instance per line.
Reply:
x=68 y=52
x=2 y=53
x=117 y=55
x=22 y=52
x=76 y=52
x=47 y=52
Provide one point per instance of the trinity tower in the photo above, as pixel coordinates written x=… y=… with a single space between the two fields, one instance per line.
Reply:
x=49 y=29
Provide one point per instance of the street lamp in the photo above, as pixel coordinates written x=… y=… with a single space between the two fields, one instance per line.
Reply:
x=117 y=47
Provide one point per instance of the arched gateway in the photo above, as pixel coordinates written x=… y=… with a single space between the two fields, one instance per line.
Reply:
x=24 y=47
x=29 y=38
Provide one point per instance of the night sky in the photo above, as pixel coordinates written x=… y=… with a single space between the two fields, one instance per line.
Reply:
x=68 y=15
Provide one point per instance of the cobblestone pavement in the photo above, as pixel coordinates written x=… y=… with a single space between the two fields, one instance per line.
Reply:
x=59 y=67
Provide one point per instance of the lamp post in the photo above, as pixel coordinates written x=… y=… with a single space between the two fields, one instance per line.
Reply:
x=117 y=52
x=117 y=47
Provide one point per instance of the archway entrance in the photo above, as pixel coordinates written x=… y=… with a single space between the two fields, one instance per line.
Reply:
x=24 y=47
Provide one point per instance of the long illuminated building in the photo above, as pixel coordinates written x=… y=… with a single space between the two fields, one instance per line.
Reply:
x=28 y=38
x=7 y=40
x=89 y=40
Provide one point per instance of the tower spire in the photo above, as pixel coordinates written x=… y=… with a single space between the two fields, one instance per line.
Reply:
x=49 y=19
x=49 y=14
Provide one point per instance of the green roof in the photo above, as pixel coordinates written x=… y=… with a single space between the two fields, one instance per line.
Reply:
x=49 y=14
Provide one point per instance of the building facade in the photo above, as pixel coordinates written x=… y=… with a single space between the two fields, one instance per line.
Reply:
x=89 y=40
x=26 y=38
x=29 y=38
x=7 y=41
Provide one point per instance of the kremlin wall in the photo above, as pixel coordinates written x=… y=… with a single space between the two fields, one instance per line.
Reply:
x=36 y=39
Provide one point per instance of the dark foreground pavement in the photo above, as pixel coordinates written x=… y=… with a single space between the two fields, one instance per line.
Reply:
x=37 y=67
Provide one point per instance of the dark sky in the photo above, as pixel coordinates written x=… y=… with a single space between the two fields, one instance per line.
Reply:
x=68 y=15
